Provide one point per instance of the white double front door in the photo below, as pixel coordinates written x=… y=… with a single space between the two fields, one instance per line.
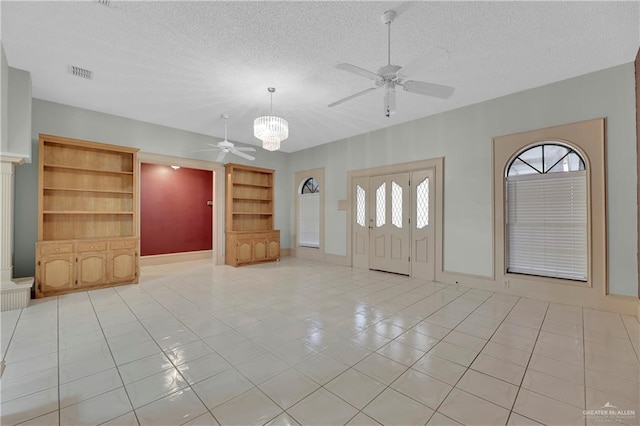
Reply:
x=393 y=223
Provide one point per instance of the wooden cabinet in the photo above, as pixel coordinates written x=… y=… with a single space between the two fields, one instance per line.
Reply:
x=87 y=206
x=252 y=247
x=67 y=266
x=250 y=237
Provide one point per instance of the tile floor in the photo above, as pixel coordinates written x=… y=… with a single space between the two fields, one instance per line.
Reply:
x=300 y=342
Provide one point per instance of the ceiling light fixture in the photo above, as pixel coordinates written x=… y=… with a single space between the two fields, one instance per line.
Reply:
x=271 y=130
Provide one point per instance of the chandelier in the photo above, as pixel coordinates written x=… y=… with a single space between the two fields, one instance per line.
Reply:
x=271 y=130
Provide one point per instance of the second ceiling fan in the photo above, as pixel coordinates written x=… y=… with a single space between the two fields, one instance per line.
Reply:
x=390 y=76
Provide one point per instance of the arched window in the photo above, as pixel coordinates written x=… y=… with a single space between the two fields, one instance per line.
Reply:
x=310 y=186
x=546 y=212
x=309 y=233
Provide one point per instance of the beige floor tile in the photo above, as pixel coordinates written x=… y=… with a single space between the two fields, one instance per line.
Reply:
x=262 y=368
x=393 y=408
x=421 y=387
x=220 y=388
x=283 y=420
x=431 y=330
x=499 y=369
x=401 y=353
x=516 y=419
x=471 y=410
x=439 y=419
x=547 y=410
x=177 y=408
x=249 y=409
x=356 y=388
x=507 y=353
x=554 y=387
x=454 y=353
x=614 y=385
x=440 y=369
x=322 y=408
x=381 y=368
x=288 y=388
x=575 y=357
x=486 y=387
x=362 y=419
x=465 y=340
x=321 y=368
x=563 y=370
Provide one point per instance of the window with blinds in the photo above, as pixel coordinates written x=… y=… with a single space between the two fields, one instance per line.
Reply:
x=309 y=233
x=546 y=213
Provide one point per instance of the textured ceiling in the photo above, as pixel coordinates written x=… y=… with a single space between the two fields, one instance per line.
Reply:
x=183 y=64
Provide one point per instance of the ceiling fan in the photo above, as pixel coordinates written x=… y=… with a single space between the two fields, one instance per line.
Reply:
x=390 y=76
x=225 y=146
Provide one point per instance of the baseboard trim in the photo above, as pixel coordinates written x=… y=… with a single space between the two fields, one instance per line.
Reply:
x=285 y=252
x=638 y=310
x=567 y=295
x=163 y=259
x=336 y=259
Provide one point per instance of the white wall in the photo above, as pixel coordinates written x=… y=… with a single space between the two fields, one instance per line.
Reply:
x=62 y=120
x=464 y=138
x=19 y=113
x=4 y=96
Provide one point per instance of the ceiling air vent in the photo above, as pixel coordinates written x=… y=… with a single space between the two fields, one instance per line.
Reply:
x=104 y=2
x=81 y=72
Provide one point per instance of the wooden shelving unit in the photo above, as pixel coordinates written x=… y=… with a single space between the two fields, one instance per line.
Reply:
x=250 y=237
x=87 y=205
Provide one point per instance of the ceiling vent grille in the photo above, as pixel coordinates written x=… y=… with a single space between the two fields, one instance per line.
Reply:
x=104 y=2
x=81 y=72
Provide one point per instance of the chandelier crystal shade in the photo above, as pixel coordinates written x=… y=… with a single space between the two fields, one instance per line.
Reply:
x=271 y=130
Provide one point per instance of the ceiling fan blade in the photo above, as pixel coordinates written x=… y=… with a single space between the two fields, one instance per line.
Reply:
x=221 y=156
x=244 y=148
x=348 y=98
x=433 y=56
x=205 y=150
x=357 y=70
x=403 y=7
x=428 y=89
x=242 y=154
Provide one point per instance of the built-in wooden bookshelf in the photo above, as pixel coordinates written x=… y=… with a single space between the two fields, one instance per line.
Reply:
x=250 y=236
x=87 y=209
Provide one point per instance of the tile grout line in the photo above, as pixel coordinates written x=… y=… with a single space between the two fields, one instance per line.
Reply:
x=114 y=360
x=163 y=353
x=526 y=369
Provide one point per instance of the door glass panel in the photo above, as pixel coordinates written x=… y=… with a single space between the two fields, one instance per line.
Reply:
x=360 y=205
x=422 y=204
x=396 y=205
x=381 y=198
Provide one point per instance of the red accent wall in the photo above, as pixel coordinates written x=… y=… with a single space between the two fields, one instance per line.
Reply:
x=174 y=216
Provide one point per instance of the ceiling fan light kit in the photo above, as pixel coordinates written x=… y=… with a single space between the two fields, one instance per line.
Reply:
x=390 y=76
x=270 y=129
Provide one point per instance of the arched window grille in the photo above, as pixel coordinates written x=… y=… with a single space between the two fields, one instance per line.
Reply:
x=310 y=186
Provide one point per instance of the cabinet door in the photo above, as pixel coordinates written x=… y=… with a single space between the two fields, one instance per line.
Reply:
x=123 y=266
x=273 y=248
x=243 y=251
x=92 y=269
x=56 y=273
x=259 y=249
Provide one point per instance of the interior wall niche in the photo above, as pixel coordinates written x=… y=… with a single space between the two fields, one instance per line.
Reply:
x=174 y=215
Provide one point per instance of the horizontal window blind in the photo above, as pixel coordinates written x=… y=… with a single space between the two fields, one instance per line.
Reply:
x=309 y=235
x=547 y=225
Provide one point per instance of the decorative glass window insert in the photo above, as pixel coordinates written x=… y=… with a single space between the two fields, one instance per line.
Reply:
x=546 y=213
x=381 y=198
x=396 y=205
x=546 y=158
x=422 y=204
x=310 y=186
x=360 y=205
